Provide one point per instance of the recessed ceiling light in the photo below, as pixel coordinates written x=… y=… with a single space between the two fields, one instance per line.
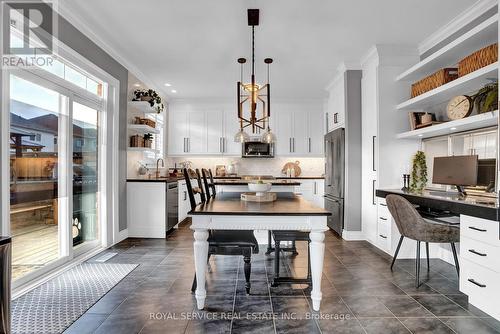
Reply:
x=173 y=91
x=453 y=128
x=137 y=85
x=420 y=135
x=167 y=84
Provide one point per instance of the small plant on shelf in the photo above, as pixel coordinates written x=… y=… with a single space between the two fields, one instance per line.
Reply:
x=148 y=140
x=486 y=98
x=418 y=172
x=150 y=96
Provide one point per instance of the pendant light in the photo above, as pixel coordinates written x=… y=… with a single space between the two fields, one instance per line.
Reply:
x=253 y=96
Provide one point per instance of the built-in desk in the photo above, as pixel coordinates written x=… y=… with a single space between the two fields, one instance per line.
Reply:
x=479 y=241
x=475 y=206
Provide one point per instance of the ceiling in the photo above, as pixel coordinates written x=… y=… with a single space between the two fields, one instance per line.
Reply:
x=194 y=44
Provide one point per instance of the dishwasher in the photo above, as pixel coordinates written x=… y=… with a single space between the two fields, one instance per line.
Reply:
x=172 y=206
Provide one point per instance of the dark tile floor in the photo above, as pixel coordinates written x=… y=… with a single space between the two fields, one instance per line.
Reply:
x=360 y=294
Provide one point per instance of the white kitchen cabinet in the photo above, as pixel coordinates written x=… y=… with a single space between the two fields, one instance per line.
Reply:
x=177 y=133
x=197 y=139
x=146 y=209
x=299 y=133
x=483 y=144
x=215 y=132
x=336 y=103
x=184 y=205
x=479 y=260
x=312 y=190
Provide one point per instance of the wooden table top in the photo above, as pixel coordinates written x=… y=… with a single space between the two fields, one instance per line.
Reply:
x=287 y=204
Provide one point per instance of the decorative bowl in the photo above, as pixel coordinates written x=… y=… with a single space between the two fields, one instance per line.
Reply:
x=259 y=188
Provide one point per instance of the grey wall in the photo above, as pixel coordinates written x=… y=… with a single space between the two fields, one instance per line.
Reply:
x=73 y=38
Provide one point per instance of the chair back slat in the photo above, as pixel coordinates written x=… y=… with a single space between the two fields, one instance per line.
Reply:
x=189 y=186
x=200 y=186
x=204 y=173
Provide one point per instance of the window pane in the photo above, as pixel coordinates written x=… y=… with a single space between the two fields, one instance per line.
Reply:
x=55 y=67
x=34 y=176
x=85 y=174
x=75 y=77
x=94 y=87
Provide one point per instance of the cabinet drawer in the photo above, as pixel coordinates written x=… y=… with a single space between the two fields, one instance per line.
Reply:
x=383 y=212
x=480 y=253
x=480 y=229
x=479 y=282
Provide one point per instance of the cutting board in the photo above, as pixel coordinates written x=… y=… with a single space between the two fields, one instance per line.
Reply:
x=293 y=165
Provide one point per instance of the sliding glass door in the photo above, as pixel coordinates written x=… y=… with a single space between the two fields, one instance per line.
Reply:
x=85 y=225
x=54 y=174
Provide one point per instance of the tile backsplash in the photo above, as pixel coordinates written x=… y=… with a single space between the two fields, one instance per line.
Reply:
x=249 y=166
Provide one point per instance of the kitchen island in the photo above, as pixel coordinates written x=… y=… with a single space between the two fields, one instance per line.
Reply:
x=241 y=185
x=289 y=212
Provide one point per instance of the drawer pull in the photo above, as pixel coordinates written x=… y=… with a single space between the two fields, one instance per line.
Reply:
x=382 y=204
x=476 y=283
x=476 y=252
x=383 y=236
x=477 y=229
x=383 y=218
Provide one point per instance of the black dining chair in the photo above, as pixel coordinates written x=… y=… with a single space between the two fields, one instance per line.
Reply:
x=222 y=242
x=412 y=226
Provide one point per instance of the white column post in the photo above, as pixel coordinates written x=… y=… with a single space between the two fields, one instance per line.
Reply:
x=317 y=248
x=200 y=262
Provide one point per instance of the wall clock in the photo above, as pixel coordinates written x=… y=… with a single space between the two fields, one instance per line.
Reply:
x=459 y=107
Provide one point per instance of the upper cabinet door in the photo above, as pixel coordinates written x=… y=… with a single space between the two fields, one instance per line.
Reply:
x=197 y=141
x=284 y=133
x=231 y=127
x=215 y=132
x=315 y=140
x=177 y=133
x=300 y=142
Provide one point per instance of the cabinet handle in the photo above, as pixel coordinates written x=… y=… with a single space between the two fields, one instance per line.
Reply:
x=309 y=143
x=473 y=251
x=224 y=145
x=383 y=218
x=373 y=153
x=382 y=204
x=383 y=236
x=477 y=283
x=290 y=144
x=221 y=145
x=185 y=145
x=315 y=191
x=293 y=141
x=477 y=229
x=335 y=118
x=185 y=196
x=373 y=192
x=189 y=144
x=327 y=125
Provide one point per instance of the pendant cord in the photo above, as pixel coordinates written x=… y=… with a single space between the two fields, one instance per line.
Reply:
x=253 y=50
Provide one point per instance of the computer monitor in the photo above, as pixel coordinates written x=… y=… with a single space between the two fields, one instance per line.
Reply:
x=458 y=171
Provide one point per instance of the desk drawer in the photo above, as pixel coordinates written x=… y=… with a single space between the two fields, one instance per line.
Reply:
x=482 y=230
x=480 y=253
x=479 y=282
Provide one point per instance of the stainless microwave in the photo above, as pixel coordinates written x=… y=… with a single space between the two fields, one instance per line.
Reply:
x=257 y=149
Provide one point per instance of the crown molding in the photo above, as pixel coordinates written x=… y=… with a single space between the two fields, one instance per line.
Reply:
x=343 y=67
x=70 y=14
x=390 y=55
x=466 y=17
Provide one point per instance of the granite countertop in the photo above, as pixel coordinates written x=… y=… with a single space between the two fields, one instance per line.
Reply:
x=287 y=204
x=239 y=182
x=300 y=178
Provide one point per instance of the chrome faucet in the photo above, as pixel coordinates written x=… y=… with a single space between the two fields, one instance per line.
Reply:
x=158 y=168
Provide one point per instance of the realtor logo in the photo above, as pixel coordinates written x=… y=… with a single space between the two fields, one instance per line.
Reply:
x=28 y=30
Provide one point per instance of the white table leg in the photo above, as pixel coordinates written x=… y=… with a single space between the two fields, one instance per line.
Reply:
x=317 y=248
x=200 y=263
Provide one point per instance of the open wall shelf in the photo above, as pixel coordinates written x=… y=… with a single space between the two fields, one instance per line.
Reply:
x=474 y=122
x=142 y=128
x=467 y=84
x=141 y=106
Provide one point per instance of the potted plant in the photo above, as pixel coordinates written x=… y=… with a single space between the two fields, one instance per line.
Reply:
x=418 y=172
x=150 y=96
x=486 y=98
x=148 y=140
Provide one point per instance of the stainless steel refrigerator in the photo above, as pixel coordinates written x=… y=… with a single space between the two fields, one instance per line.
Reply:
x=334 y=178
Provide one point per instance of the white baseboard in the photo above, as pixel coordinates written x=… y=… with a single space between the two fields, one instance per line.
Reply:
x=353 y=235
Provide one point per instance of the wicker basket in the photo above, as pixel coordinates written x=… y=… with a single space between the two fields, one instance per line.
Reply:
x=146 y=121
x=148 y=143
x=136 y=141
x=433 y=81
x=478 y=59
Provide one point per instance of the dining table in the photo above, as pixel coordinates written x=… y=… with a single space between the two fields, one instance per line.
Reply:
x=289 y=212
